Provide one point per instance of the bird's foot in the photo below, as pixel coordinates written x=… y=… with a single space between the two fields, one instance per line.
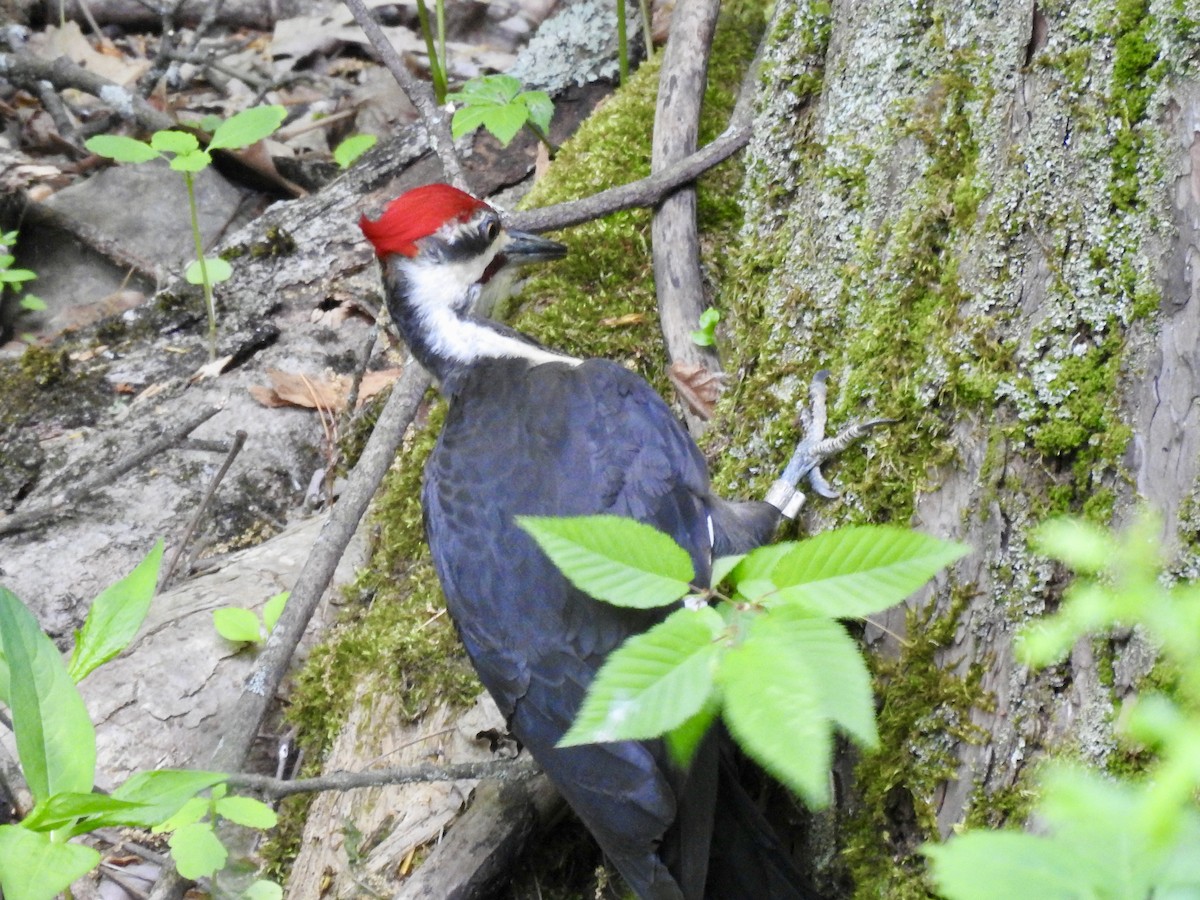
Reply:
x=813 y=450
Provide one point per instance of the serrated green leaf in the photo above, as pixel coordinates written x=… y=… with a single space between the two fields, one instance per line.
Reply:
x=195 y=161
x=774 y=708
x=247 y=127
x=652 y=683
x=263 y=890
x=163 y=794
x=467 y=119
x=197 y=851
x=860 y=570
x=35 y=867
x=345 y=153
x=238 y=625
x=684 y=740
x=178 y=142
x=121 y=148
x=488 y=90
x=63 y=809
x=618 y=560
x=834 y=662
x=115 y=616
x=1004 y=865
x=218 y=270
x=723 y=565
x=55 y=739
x=192 y=811
x=504 y=121
x=539 y=108
x=273 y=609
x=247 y=811
x=759 y=563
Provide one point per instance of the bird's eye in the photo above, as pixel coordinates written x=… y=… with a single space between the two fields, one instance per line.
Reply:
x=491 y=230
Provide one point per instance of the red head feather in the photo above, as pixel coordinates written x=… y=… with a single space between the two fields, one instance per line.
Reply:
x=417 y=214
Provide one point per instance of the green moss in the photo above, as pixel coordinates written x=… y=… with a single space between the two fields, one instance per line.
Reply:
x=924 y=714
x=44 y=366
x=1134 y=79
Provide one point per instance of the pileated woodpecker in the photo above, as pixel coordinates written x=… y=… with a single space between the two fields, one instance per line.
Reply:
x=534 y=432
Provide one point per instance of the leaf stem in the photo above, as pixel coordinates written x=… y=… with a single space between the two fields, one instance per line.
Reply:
x=622 y=42
x=209 y=304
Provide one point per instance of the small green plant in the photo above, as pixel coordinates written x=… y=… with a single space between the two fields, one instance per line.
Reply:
x=345 y=153
x=766 y=653
x=56 y=742
x=244 y=626
x=706 y=334
x=435 y=46
x=183 y=152
x=13 y=279
x=498 y=103
x=1104 y=837
x=195 y=846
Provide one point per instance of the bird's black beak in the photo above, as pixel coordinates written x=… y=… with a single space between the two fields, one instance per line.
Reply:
x=524 y=248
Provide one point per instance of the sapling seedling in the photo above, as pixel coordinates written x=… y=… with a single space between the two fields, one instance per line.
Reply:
x=243 y=626
x=182 y=151
x=498 y=103
x=14 y=279
x=706 y=334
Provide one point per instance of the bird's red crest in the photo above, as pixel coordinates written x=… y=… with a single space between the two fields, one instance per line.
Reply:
x=416 y=214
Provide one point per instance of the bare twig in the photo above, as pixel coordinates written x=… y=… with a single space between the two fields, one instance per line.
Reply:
x=675 y=236
x=57 y=110
x=274 y=788
x=239 y=440
x=166 y=46
x=62 y=504
x=26 y=70
x=437 y=122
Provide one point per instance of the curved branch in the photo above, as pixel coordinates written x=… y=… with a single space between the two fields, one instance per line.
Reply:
x=499 y=770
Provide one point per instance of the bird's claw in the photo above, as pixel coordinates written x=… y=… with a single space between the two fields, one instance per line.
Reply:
x=813 y=450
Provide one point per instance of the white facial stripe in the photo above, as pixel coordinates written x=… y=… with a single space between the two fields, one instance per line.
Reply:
x=441 y=293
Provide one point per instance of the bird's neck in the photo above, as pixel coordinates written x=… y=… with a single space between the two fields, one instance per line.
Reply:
x=433 y=314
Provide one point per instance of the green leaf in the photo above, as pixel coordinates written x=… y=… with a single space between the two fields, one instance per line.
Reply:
x=63 y=809
x=466 y=119
x=618 y=560
x=684 y=741
x=247 y=127
x=653 y=683
x=504 y=121
x=774 y=708
x=121 y=148
x=247 y=811
x=274 y=609
x=163 y=794
x=238 y=625
x=197 y=851
x=15 y=276
x=115 y=616
x=177 y=142
x=722 y=567
x=263 y=890
x=1005 y=865
x=488 y=90
x=539 y=108
x=195 y=161
x=218 y=270
x=702 y=338
x=32 y=303
x=192 y=811
x=345 y=153
x=35 y=867
x=54 y=735
x=834 y=662
x=860 y=570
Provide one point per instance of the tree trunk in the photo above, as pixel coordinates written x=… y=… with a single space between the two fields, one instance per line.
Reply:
x=981 y=216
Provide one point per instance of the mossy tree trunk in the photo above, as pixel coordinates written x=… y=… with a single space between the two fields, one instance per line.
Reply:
x=981 y=216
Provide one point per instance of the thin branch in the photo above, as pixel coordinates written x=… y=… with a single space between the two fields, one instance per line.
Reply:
x=437 y=122
x=675 y=235
x=276 y=788
x=26 y=70
x=63 y=503
x=239 y=440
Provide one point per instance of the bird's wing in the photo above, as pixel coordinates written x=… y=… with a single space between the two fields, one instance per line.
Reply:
x=563 y=441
